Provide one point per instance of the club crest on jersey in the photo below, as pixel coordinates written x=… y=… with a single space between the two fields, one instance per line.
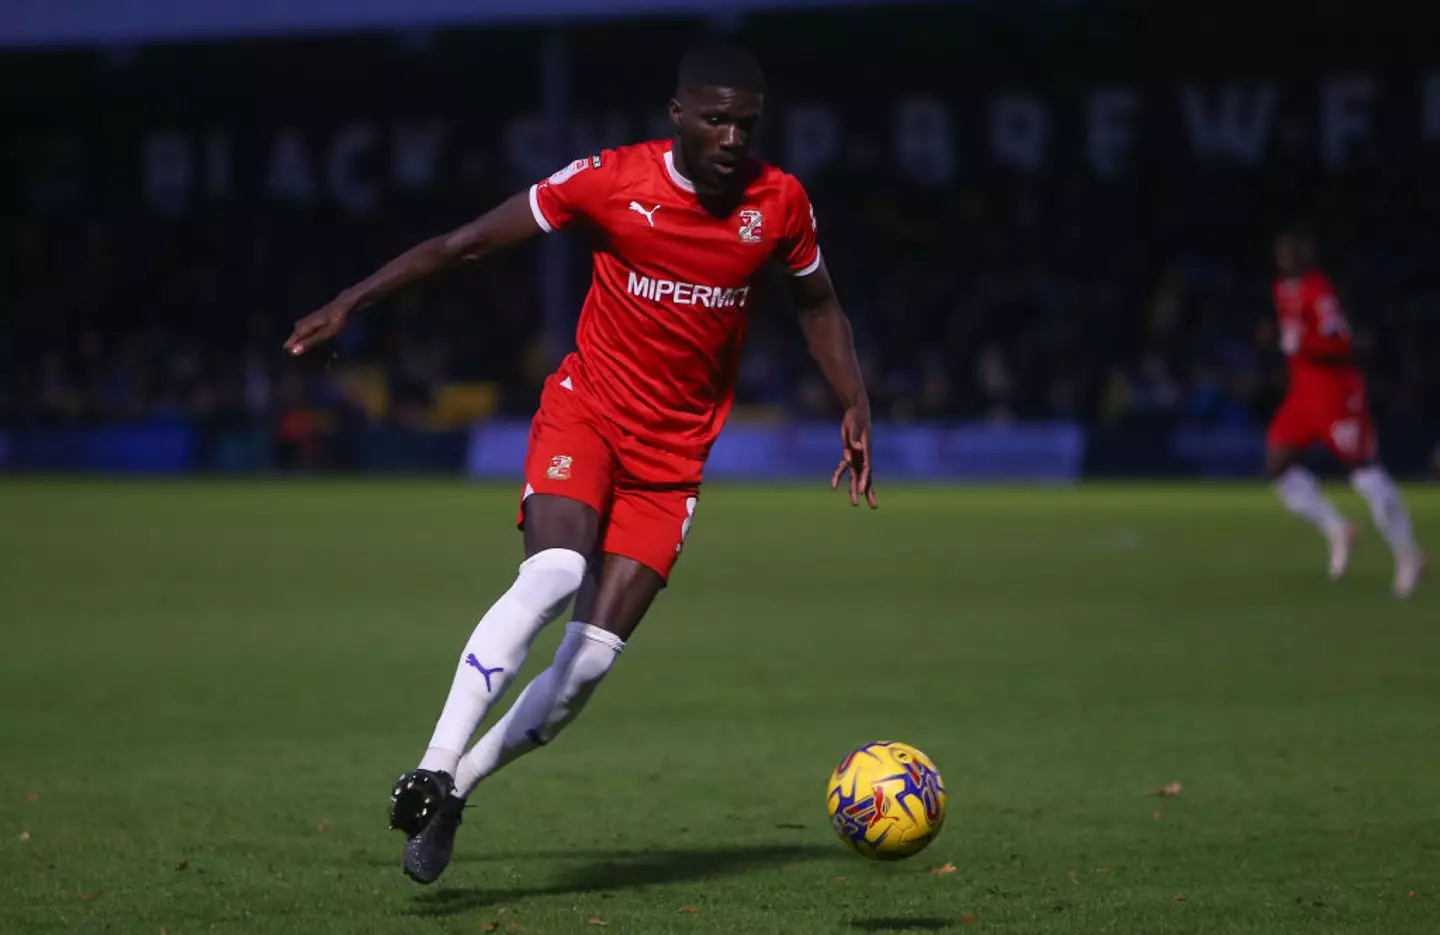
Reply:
x=567 y=173
x=751 y=221
x=560 y=467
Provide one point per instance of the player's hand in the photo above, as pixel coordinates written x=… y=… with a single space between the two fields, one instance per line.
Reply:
x=855 y=437
x=318 y=327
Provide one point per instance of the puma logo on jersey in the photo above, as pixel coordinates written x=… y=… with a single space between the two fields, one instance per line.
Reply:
x=686 y=293
x=649 y=215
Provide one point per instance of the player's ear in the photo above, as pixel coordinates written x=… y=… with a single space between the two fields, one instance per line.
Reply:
x=677 y=112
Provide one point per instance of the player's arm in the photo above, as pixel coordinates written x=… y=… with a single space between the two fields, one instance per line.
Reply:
x=827 y=332
x=832 y=344
x=509 y=223
x=829 y=336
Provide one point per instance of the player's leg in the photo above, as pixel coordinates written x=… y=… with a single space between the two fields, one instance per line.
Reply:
x=569 y=471
x=643 y=540
x=427 y=802
x=604 y=619
x=615 y=600
x=559 y=533
x=1353 y=441
x=1299 y=489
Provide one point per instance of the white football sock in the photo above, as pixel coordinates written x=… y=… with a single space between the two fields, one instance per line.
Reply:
x=497 y=649
x=1300 y=492
x=551 y=701
x=1387 y=508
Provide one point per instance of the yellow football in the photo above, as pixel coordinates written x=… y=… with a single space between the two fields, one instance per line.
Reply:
x=886 y=800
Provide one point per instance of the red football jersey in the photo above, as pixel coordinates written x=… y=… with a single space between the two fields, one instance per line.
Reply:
x=1313 y=332
x=658 y=343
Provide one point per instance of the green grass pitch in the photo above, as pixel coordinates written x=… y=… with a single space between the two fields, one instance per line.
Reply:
x=208 y=688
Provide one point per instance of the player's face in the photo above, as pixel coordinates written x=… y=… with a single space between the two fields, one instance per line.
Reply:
x=716 y=127
x=1291 y=254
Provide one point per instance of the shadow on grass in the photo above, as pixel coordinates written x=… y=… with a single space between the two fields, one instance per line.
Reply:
x=903 y=924
x=621 y=870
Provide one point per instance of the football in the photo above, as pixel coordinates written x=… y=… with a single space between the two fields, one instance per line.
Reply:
x=886 y=800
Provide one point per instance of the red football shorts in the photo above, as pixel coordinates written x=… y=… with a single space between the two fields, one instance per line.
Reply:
x=1335 y=417
x=646 y=495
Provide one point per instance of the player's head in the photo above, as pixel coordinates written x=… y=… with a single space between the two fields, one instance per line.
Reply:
x=716 y=112
x=1294 y=250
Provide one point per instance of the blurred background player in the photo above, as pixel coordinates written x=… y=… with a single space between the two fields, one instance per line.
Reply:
x=1325 y=405
x=617 y=449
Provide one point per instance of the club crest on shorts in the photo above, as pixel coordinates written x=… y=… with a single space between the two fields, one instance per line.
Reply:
x=751 y=221
x=559 y=467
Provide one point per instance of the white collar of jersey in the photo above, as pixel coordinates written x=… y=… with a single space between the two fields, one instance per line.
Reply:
x=674 y=173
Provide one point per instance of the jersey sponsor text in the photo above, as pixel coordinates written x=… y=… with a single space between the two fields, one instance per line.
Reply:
x=686 y=293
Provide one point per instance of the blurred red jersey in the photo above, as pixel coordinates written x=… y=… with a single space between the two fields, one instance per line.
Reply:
x=1326 y=403
x=659 y=337
x=1314 y=333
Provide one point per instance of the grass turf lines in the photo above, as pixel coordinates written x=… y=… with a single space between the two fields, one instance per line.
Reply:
x=207 y=690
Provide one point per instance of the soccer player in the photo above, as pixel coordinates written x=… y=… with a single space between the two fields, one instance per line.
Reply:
x=1325 y=405
x=679 y=229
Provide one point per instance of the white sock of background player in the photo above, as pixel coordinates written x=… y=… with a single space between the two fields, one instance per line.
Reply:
x=552 y=700
x=497 y=649
x=1300 y=492
x=1387 y=508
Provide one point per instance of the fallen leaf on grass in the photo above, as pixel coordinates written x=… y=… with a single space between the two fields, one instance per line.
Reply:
x=596 y=921
x=1412 y=894
x=1179 y=897
x=512 y=927
x=490 y=926
x=24 y=836
x=1171 y=790
x=838 y=879
x=1156 y=814
x=1074 y=879
x=86 y=897
x=946 y=868
x=691 y=909
x=968 y=919
x=183 y=865
x=1102 y=869
x=33 y=798
x=162 y=930
x=324 y=825
x=208 y=847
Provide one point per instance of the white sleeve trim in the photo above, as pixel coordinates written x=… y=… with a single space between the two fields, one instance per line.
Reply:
x=814 y=265
x=535 y=209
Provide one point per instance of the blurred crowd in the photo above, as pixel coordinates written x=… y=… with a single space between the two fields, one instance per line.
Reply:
x=997 y=303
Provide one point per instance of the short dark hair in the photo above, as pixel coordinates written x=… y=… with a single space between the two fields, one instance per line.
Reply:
x=1298 y=229
x=719 y=64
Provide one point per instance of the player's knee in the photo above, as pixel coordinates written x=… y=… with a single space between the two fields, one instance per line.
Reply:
x=548 y=579
x=585 y=655
x=1371 y=481
x=1278 y=461
x=627 y=589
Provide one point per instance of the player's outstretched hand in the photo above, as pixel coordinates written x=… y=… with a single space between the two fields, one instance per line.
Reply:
x=855 y=436
x=317 y=328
